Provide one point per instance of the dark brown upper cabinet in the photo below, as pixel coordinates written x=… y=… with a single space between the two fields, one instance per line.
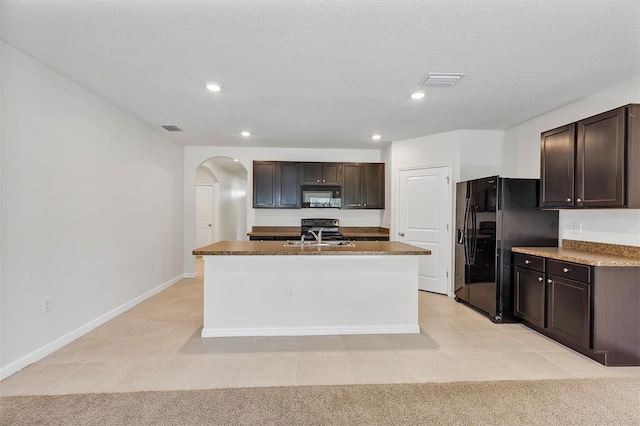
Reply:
x=593 y=163
x=557 y=165
x=264 y=184
x=276 y=185
x=363 y=186
x=321 y=173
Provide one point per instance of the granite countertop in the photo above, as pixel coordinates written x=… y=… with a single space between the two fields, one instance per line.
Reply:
x=274 y=231
x=277 y=248
x=294 y=231
x=583 y=257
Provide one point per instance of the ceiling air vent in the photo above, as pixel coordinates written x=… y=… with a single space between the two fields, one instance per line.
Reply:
x=171 y=128
x=442 y=79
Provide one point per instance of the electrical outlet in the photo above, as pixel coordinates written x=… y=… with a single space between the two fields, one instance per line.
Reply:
x=577 y=227
x=289 y=292
x=46 y=304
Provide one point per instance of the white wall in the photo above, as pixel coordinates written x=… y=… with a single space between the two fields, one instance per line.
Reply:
x=522 y=159
x=90 y=198
x=471 y=153
x=205 y=177
x=231 y=203
x=194 y=156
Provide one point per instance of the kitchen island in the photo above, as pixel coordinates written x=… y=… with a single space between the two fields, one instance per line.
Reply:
x=270 y=288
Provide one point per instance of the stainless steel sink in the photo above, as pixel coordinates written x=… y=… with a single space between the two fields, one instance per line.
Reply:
x=316 y=244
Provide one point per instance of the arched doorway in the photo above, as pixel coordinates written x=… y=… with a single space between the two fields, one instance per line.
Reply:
x=221 y=188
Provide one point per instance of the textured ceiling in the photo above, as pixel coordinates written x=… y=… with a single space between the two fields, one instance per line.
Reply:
x=330 y=73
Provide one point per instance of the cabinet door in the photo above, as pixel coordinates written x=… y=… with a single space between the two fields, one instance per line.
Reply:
x=530 y=296
x=332 y=173
x=569 y=310
x=352 y=185
x=322 y=173
x=288 y=185
x=557 y=161
x=264 y=184
x=311 y=173
x=373 y=185
x=600 y=165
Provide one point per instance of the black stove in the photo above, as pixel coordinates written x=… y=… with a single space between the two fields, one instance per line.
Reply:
x=330 y=228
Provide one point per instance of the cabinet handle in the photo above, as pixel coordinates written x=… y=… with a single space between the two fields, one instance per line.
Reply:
x=565 y=269
x=324 y=180
x=365 y=204
x=527 y=261
x=579 y=200
x=549 y=280
x=568 y=200
x=539 y=278
x=318 y=180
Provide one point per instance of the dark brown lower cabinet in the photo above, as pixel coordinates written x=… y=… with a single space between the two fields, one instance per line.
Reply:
x=569 y=310
x=530 y=296
x=594 y=310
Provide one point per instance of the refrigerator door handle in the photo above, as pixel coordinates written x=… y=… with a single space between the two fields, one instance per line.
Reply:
x=474 y=236
x=465 y=230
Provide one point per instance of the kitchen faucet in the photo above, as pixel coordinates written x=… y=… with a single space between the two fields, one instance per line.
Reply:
x=317 y=236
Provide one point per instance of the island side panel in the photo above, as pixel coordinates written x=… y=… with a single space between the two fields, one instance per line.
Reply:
x=310 y=295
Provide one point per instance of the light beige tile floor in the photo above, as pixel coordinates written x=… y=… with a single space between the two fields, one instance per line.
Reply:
x=157 y=346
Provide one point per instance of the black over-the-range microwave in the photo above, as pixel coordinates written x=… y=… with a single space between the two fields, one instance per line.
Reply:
x=321 y=196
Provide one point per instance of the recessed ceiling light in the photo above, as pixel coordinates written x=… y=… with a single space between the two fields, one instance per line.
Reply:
x=214 y=87
x=417 y=95
x=376 y=137
x=245 y=134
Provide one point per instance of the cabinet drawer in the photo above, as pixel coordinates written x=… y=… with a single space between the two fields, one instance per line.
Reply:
x=527 y=261
x=569 y=270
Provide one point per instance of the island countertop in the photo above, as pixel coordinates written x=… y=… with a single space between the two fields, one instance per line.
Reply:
x=278 y=248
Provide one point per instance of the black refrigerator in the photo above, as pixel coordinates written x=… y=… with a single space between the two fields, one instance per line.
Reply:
x=493 y=215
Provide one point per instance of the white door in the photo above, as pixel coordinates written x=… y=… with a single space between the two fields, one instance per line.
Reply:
x=204 y=215
x=424 y=213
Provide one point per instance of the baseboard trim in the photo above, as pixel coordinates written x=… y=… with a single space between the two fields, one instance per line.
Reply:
x=189 y=275
x=310 y=331
x=58 y=343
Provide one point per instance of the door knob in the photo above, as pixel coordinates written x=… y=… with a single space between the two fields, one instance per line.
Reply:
x=401 y=234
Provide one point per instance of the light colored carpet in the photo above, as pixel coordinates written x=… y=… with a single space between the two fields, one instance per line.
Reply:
x=547 y=402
